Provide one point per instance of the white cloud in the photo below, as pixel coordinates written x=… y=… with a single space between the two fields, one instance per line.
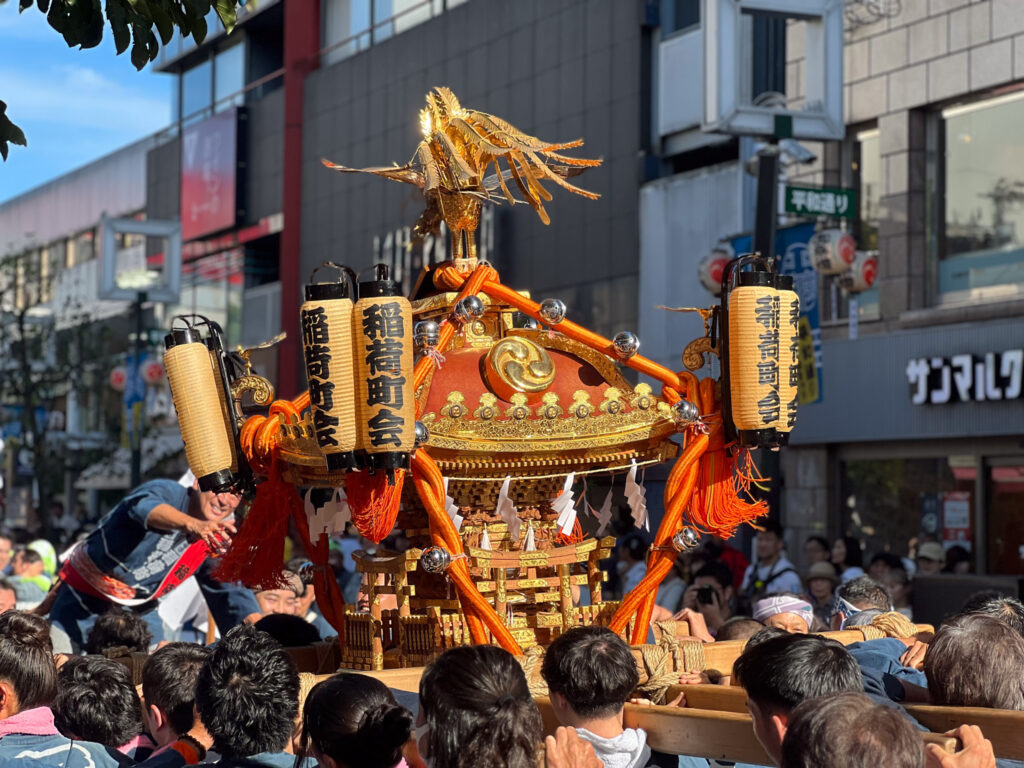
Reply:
x=80 y=97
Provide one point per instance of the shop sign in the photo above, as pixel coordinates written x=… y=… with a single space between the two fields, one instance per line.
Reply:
x=966 y=378
x=208 y=175
x=824 y=201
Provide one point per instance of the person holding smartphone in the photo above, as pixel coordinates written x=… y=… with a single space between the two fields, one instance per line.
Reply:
x=711 y=595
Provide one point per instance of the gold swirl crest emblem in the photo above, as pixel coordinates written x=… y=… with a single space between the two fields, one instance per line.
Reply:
x=516 y=364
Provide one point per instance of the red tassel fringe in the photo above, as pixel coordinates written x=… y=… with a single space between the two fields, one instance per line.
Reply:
x=721 y=500
x=374 y=503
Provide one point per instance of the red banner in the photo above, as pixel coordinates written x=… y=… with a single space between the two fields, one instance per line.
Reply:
x=208 y=175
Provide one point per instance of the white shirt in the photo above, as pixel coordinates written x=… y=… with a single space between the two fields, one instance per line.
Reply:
x=773 y=577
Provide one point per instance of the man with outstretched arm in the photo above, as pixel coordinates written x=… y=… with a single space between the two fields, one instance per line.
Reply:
x=160 y=534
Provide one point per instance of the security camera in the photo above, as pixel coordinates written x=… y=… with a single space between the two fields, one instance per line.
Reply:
x=793 y=152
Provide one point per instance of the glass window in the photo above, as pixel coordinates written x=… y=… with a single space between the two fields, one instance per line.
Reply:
x=981 y=250
x=81 y=248
x=213 y=286
x=888 y=502
x=229 y=76
x=196 y=90
x=677 y=15
x=346 y=24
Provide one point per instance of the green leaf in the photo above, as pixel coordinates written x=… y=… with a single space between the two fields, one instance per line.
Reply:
x=163 y=22
x=9 y=132
x=226 y=10
x=43 y=5
x=198 y=28
x=140 y=54
x=117 y=15
x=24 y=5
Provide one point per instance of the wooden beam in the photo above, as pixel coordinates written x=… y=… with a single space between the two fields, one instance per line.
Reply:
x=698 y=732
x=720 y=698
x=1004 y=728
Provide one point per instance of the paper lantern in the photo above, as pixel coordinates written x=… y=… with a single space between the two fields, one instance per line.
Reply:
x=710 y=268
x=197 y=390
x=326 y=322
x=789 y=357
x=862 y=272
x=382 y=322
x=152 y=371
x=754 y=307
x=832 y=251
x=119 y=378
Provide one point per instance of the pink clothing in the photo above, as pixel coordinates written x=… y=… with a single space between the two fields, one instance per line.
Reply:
x=37 y=721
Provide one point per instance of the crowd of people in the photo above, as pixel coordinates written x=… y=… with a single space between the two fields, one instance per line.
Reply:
x=234 y=697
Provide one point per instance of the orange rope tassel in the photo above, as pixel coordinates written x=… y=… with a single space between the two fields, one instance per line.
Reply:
x=374 y=502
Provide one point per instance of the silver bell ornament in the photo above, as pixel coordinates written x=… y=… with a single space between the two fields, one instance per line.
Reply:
x=626 y=344
x=422 y=433
x=426 y=334
x=685 y=413
x=552 y=311
x=686 y=538
x=468 y=309
x=435 y=559
x=527 y=322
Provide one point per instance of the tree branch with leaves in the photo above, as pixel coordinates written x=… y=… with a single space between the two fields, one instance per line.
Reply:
x=142 y=25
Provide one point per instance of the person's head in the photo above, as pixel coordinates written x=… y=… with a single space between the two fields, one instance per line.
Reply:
x=290 y=631
x=717 y=577
x=28 y=675
x=780 y=673
x=849 y=730
x=96 y=701
x=846 y=553
x=169 y=689
x=976 y=661
x=354 y=720
x=8 y=595
x=821 y=580
x=476 y=709
x=816 y=550
x=770 y=542
x=46 y=552
x=247 y=694
x=785 y=611
x=882 y=563
x=282 y=600
x=27 y=564
x=863 y=618
x=930 y=558
x=958 y=560
x=632 y=549
x=1008 y=610
x=308 y=596
x=738 y=628
x=118 y=631
x=214 y=507
x=590 y=673
x=859 y=594
x=898 y=583
x=6 y=550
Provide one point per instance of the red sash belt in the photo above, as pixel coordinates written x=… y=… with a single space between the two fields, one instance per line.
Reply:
x=82 y=573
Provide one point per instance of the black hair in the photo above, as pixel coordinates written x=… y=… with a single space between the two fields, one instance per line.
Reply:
x=716 y=570
x=593 y=669
x=96 y=701
x=864 y=593
x=975 y=661
x=7 y=586
x=854 y=554
x=26 y=658
x=169 y=682
x=955 y=554
x=739 y=628
x=1008 y=610
x=848 y=731
x=479 y=710
x=355 y=720
x=819 y=540
x=771 y=526
x=893 y=561
x=781 y=672
x=247 y=694
x=118 y=632
x=634 y=545
x=290 y=631
x=764 y=635
x=30 y=557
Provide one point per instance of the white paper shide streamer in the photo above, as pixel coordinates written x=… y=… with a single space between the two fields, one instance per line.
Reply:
x=331 y=517
x=507 y=511
x=530 y=543
x=565 y=506
x=485 y=540
x=636 y=497
x=604 y=514
x=451 y=509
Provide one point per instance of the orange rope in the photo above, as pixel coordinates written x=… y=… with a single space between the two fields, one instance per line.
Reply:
x=430 y=485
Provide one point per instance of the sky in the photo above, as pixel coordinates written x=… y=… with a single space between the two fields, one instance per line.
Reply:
x=73 y=105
